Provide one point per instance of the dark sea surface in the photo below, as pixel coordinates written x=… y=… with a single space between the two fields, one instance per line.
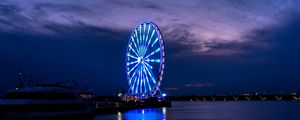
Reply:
x=220 y=110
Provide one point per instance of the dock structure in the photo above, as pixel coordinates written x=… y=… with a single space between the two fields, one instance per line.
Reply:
x=112 y=107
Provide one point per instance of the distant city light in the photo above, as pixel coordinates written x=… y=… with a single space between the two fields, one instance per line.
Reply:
x=164 y=95
x=119 y=94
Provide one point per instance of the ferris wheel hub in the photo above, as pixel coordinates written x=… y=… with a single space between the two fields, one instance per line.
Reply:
x=139 y=59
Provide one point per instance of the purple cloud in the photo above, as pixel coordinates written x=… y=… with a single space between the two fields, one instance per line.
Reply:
x=202 y=27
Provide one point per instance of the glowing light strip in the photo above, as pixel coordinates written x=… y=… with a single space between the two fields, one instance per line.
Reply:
x=132 y=76
x=157 y=50
x=149 y=86
x=150 y=73
x=138 y=82
x=145 y=89
x=154 y=42
x=133 y=50
x=137 y=40
x=144 y=79
x=132 y=85
x=155 y=60
x=148 y=65
x=147 y=41
x=132 y=69
x=150 y=38
x=148 y=32
x=140 y=35
x=131 y=56
x=141 y=80
x=144 y=34
x=144 y=41
x=133 y=40
x=130 y=63
x=146 y=82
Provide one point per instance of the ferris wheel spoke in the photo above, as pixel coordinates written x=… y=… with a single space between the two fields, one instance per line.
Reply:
x=133 y=40
x=144 y=85
x=144 y=33
x=147 y=44
x=135 y=85
x=130 y=63
x=148 y=32
x=154 y=42
x=137 y=36
x=147 y=80
x=141 y=41
x=132 y=76
x=141 y=84
x=150 y=38
x=151 y=75
x=152 y=60
x=157 y=50
x=155 y=60
x=144 y=40
x=132 y=85
x=147 y=65
x=141 y=81
x=131 y=56
x=140 y=35
x=133 y=50
x=138 y=82
x=132 y=69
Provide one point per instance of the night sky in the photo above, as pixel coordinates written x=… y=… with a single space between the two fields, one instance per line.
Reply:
x=212 y=46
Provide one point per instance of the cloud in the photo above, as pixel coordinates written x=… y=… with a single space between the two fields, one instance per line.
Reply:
x=54 y=7
x=8 y=9
x=218 y=28
x=68 y=55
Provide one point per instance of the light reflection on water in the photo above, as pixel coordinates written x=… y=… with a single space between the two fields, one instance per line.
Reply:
x=224 y=110
x=146 y=114
x=138 y=114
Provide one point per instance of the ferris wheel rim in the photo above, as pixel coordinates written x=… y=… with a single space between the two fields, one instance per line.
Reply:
x=159 y=75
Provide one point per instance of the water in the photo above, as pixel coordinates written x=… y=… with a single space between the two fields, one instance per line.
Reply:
x=225 y=110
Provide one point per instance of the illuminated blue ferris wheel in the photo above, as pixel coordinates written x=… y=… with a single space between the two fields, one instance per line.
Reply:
x=145 y=59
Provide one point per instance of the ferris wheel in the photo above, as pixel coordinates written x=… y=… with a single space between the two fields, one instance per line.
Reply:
x=145 y=59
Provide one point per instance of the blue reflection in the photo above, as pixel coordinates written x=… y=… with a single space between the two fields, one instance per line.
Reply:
x=144 y=114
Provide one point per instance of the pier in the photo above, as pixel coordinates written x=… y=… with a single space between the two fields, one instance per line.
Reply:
x=111 y=105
